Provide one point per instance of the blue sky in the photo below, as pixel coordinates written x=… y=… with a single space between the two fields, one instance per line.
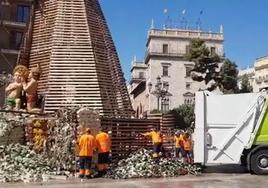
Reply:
x=245 y=25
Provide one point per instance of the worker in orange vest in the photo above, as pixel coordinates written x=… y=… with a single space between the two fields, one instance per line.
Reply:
x=103 y=143
x=178 y=139
x=86 y=147
x=157 y=140
x=187 y=146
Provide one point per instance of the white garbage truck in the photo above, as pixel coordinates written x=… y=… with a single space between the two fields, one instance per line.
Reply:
x=232 y=129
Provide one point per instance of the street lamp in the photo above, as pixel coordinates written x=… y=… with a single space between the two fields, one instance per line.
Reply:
x=4 y=80
x=161 y=91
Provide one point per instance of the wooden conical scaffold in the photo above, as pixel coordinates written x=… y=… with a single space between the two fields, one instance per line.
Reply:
x=71 y=42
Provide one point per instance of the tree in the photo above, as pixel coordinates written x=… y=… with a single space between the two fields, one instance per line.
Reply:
x=245 y=85
x=206 y=68
x=184 y=115
x=206 y=63
x=228 y=77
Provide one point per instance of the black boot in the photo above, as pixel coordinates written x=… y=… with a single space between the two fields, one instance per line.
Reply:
x=100 y=174
x=81 y=176
x=104 y=172
x=88 y=177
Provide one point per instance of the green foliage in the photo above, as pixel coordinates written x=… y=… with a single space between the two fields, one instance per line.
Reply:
x=184 y=116
x=245 y=85
x=206 y=68
x=228 y=75
x=206 y=63
x=155 y=111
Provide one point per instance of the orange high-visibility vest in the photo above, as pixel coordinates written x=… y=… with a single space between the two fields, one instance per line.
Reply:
x=178 y=140
x=86 y=145
x=103 y=142
x=187 y=144
x=156 y=136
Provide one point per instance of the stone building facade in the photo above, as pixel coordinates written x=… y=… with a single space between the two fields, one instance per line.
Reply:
x=258 y=75
x=165 y=58
x=14 y=15
x=261 y=74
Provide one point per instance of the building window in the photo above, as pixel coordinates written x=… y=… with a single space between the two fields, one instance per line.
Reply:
x=165 y=48
x=189 y=100
x=141 y=75
x=165 y=105
x=18 y=39
x=212 y=50
x=15 y=39
x=188 y=85
x=165 y=70
x=188 y=71
x=23 y=13
x=187 y=49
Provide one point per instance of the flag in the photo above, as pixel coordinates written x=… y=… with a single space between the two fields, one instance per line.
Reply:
x=183 y=12
x=165 y=11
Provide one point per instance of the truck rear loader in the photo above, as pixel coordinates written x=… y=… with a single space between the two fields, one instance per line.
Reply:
x=232 y=129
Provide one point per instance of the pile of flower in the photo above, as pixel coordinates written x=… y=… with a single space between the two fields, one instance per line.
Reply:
x=20 y=163
x=50 y=149
x=141 y=164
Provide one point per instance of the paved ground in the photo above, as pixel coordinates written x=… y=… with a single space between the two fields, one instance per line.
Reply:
x=214 y=178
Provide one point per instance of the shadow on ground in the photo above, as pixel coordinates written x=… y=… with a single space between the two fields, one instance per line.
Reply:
x=225 y=169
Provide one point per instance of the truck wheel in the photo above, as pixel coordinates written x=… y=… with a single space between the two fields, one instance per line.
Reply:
x=259 y=162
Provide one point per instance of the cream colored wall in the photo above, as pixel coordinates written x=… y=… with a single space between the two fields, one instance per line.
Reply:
x=261 y=73
x=177 y=68
x=177 y=81
x=143 y=100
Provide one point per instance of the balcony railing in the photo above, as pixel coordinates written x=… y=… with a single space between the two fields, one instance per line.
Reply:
x=9 y=51
x=186 y=34
x=137 y=79
x=15 y=24
x=260 y=79
x=169 y=54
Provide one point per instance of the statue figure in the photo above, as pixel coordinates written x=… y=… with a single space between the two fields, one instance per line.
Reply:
x=30 y=87
x=14 y=89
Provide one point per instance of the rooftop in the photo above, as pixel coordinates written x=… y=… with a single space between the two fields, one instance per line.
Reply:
x=185 y=33
x=138 y=64
x=248 y=71
x=262 y=58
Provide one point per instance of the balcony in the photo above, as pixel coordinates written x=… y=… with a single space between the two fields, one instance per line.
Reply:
x=265 y=78
x=183 y=33
x=14 y=24
x=9 y=51
x=7 y=3
x=149 y=54
x=137 y=80
x=28 y=1
x=260 y=79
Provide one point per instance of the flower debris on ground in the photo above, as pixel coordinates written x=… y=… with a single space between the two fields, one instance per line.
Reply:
x=141 y=164
x=20 y=163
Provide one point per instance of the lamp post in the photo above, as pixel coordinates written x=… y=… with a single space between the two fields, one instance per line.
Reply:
x=4 y=80
x=161 y=91
x=3 y=77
